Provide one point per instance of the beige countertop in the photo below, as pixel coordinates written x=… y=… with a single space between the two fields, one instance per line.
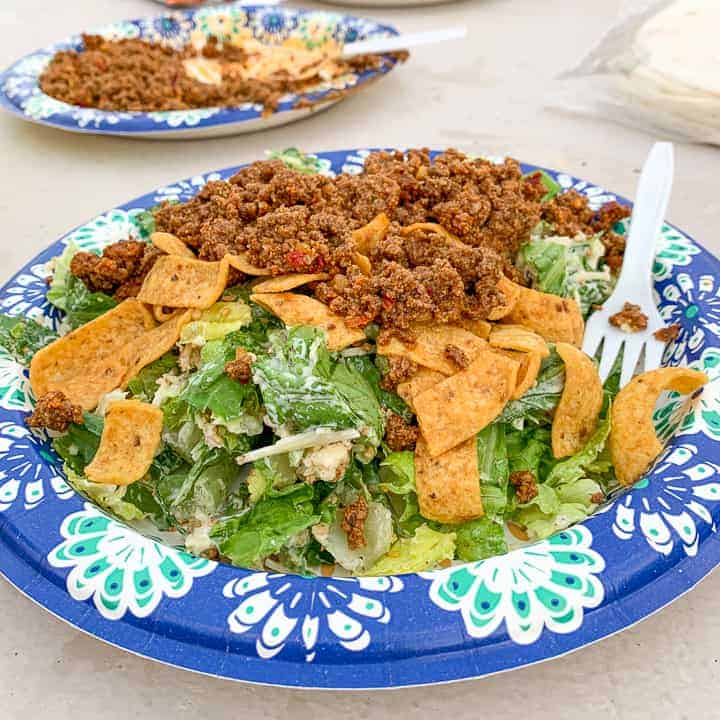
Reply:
x=485 y=94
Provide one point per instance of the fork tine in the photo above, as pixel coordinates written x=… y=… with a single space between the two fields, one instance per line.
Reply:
x=633 y=348
x=592 y=339
x=611 y=348
x=654 y=350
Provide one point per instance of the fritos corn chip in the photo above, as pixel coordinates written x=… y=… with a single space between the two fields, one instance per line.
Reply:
x=442 y=234
x=181 y=282
x=92 y=360
x=171 y=244
x=460 y=406
x=430 y=344
x=481 y=328
x=294 y=309
x=363 y=263
x=130 y=439
x=241 y=263
x=448 y=485
x=527 y=372
x=556 y=319
x=155 y=343
x=423 y=379
x=511 y=291
x=367 y=237
x=283 y=283
x=577 y=412
x=633 y=443
x=516 y=337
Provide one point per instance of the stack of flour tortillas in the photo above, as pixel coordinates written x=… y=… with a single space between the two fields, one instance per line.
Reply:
x=659 y=69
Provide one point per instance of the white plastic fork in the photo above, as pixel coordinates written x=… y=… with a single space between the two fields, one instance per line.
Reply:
x=402 y=42
x=635 y=282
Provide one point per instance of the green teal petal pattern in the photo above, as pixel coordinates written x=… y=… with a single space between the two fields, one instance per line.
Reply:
x=548 y=585
x=119 y=569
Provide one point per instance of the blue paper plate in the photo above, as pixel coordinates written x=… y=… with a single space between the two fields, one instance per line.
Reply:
x=639 y=553
x=21 y=94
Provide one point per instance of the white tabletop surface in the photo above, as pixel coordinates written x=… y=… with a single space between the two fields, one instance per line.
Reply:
x=485 y=94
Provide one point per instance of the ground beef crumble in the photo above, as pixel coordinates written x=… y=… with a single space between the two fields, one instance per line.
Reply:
x=457 y=356
x=525 y=485
x=240 y=368
x=630 y=319
x=469 y=218
x=55 y=412
x=353 y=522
x=668 y=333
x=399 y=370
x=138 y=75
x=400 y=435
x=119 y=271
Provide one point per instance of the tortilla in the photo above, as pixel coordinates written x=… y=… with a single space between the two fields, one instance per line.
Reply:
x=171 y=244
x=294 y=309
x=429 y=347
x=554 y=318
x=162 y=314
x=420 y=381
x=180 y=282
x=577 y=413
x=511 y=292
x=130 y=439
x=155 y=343
x=460 y=406
x=527 y=372
x=516 y=337
x=633 y=443
x=92 y=360
x=241 y=263
x=368 y=236
x=448 y=486
x=282 y=283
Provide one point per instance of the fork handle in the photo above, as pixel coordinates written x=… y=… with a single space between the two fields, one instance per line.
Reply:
x=651 y=201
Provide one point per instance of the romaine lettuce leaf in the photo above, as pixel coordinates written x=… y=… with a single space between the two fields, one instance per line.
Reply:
x=69 y=294
x=397 y=473
x=367 y=368
x=23 y=337
x=303 y=387
x=108 y=497
x=479 y=539
x=569 y=267
x=297 y=160
x=552 y=187
x=494 y=470
x=264 y=529
x=538 y=404
x=77 y=447
x=426 y=549
x=145 y=384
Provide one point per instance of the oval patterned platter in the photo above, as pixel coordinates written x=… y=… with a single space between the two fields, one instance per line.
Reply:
x=21 y=95
x=640 y=552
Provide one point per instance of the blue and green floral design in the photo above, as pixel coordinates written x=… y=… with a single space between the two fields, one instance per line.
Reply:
x=120 y=570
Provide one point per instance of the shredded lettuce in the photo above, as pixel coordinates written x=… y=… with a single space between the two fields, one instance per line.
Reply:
x=23 y=337
x=426 y=549
x=69 y=294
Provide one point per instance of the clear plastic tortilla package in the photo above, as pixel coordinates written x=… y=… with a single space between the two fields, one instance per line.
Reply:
x=658 y=69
